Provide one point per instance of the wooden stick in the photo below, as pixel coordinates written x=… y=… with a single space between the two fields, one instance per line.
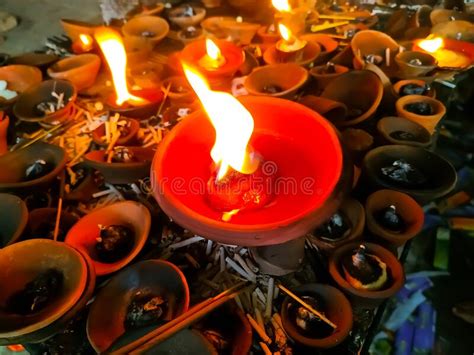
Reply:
x=260 y=331
x=307 y=306
x=337 y=17
x=184 y=320
x=60 y=206
x=326 y=26
x=165 y=96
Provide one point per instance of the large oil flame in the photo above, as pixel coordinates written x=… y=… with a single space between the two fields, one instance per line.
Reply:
x=285 y=32
x=112 y=47
x=431 y=44
x=232 y=122
x=281 y=5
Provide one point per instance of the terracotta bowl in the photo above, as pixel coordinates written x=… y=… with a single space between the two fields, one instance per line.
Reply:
x=126 y=140
x=389 y=125
x=12 y=220
x=372 y=42
x=185 y=40
x=80 y=69
x=25 y=107
x=153 y=96
x=289 y=77
x=39 y=60
x=137 y=26
x=408 y=209
x=74 y=28
x=322 y=78
x=431 y=92
x=174 y=16
x=359 y=90
x=179 y=89
x=409 y=70
x=225 y=27
x=429 y=121
x=12 y=179
x=357 y=142
x=83 y=235
x=230 y=321
x=267 y=37
x=41 y=223
x=354 y=211
x=154 y=10
x=121 y=173
x=43 y=334
x=105 y=323
x=327 y=44
x=147 y=75
x=440 y=173
x=337 y=309
x=362 y=298
x=38 y=256
x=84 y=189
x=332 y=110
x=445 y=15
x=310 y=53
x=19 y=78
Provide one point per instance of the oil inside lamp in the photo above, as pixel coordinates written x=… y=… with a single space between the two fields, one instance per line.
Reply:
x=237 y=180
x=213 y=59
x=444 y=56
x=113 y=49
x=289 y=43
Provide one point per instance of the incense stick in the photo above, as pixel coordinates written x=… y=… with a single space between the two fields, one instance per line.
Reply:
x=165 y=96
x=307 y=306
x=60 y=206
x=317 y=28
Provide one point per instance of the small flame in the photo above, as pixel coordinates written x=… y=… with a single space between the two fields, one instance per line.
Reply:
x=431 y=45
x=112 y=47
x=213 y=50
x=85 y=39
x=285 y=32
x=232 y=122
x=281 y=5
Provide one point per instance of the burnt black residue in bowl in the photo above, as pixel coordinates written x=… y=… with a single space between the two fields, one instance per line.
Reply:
x=420 y=108
x=413 y=89
x=390 y=219
x=337 y=227
x=114 y=243
x=145 y=309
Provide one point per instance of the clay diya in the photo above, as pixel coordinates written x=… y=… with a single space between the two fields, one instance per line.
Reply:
x=306 y=328
x=445 y=15
x=345 y=226
x=42 y=221
x=190 y=34
x=423 y=110
x=327 y=44
x=415 y=171
x=227 y=329
x=31 y=167
x=179 y=89
x=457 y=30
x=81 y=70
x=47 y=283
x=112 y=236
x=414 y=87
x=287 y=217
x=177 y=112
x=367 y=273
x=13 y=219
x=398 y=130
x=152 y=29
x=186 y=15
x=84 y=184
x=129 y=165
x=4 y=123
x=154 y=9
x=38 y=199
x=75 y=28
x=50 y=102
x=324 y=74
x=450 y=53
x=39 y=60
x=308 y=55
x=218 y=70
x=147 y=294
x=357 y=141
x=369 y=43
x=277 y=80
x=393 y=216
x=332 y=110
x=415 y=63
x=360 y=90
x=229 y=28
x=152 y=97
x=268 y=35
x=19 y=78
x=128 y=128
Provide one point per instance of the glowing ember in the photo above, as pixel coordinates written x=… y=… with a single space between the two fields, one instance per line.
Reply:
x=445 y=57
x=86 y=40
x=431 y=45
x=213 y=58
x=112 y=47
x=289 y=43
x=281 y=5
x=233 y=125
